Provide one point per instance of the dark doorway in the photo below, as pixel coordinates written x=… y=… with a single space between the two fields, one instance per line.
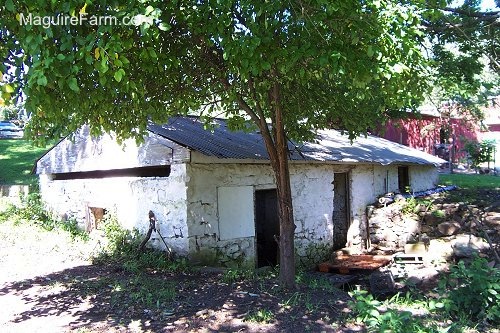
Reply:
x=403 y=179
x=267 y=227
x=340 y=209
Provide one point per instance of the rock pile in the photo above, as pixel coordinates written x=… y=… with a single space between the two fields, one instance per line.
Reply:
x=407 y=221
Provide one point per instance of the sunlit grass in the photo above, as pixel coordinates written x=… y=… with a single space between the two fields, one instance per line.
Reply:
x=17 y=158
x=470 y=181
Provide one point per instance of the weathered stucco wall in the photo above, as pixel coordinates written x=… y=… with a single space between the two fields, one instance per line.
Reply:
x=312 y=191
x=423 y=177
x=370 y=181
x=130 y=198
x=363 y=188
x=187 y=205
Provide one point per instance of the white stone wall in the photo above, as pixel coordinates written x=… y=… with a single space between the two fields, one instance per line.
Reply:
x=371 y=181
x=185 y=203
x=130 y=198
x=423 y=177
x=312 y=192
x=364 y=186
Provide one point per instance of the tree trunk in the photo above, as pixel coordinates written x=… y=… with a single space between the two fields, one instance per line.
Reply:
x=285 y=211
x=285 y=207
x=277 y=149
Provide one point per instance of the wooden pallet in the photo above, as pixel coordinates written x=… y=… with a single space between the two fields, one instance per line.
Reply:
x=346 y=264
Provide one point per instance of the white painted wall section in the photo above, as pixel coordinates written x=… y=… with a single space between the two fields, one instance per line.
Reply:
x=236 y=212
x=423 y=177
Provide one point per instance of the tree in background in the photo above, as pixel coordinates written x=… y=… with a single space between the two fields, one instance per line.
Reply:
x=463 y=47
x=13 y=112
x=480 y=152
x=287 y=67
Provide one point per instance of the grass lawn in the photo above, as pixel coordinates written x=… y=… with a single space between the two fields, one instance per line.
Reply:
x=470 y=181
x=17 y=158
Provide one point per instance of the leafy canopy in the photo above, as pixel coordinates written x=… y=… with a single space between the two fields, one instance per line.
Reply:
x=348 y=63
x=463 y=48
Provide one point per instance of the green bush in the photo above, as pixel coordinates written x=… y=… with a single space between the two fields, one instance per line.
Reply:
x=32 y=210
x=122 y=248
x=412 y=205
x=473 y=291
x=479 y=152
x=391 y=315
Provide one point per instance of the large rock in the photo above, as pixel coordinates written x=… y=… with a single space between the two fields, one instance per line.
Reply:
x=382 y=283
x=493 y=218
x=466 y=246
x=449 y=228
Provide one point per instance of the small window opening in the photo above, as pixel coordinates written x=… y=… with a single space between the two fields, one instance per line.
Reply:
x=95 y=215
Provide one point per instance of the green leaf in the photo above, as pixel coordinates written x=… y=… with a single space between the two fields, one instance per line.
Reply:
x=8 y=89
x=370 y=51
x=73 y=84
x=9 y=5
x=266 y=66
x=103 y=80
x=164 y=26
x=61 y=56
x=244 y=63
x=6 y=96
x=152 y=53
x=42 y=80
x=149 y=10
x=119 y=75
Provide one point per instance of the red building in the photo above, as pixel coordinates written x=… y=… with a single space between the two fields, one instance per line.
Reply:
x=433 y=132
x=492 y=122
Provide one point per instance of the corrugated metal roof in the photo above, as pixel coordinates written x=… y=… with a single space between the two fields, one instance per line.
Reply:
x=330 y=145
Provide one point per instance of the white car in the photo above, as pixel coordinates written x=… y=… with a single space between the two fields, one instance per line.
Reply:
x=9 y=130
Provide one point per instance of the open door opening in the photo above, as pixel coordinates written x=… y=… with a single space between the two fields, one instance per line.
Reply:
x=341 y=207
x=267 y=227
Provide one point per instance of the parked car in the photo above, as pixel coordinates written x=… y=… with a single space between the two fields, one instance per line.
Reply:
x=9 y=130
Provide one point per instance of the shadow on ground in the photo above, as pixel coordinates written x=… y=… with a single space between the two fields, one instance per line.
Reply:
x=109 y=299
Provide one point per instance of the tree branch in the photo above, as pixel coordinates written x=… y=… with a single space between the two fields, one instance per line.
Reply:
x=473 y=13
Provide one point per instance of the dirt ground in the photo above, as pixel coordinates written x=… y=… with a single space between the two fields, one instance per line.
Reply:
x=48 y=284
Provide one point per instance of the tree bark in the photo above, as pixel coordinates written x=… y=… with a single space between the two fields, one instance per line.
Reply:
x=279 y=161
x=285 y=211
x=277 y=149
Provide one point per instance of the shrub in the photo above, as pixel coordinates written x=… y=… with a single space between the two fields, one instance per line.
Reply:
x=32 y=210
x=479 y=152
x=390 y=315
x=412 y=205
x=472 y=292
x=122 y=248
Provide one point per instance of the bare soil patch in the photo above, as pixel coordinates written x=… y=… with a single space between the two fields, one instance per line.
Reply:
x=47 y=284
